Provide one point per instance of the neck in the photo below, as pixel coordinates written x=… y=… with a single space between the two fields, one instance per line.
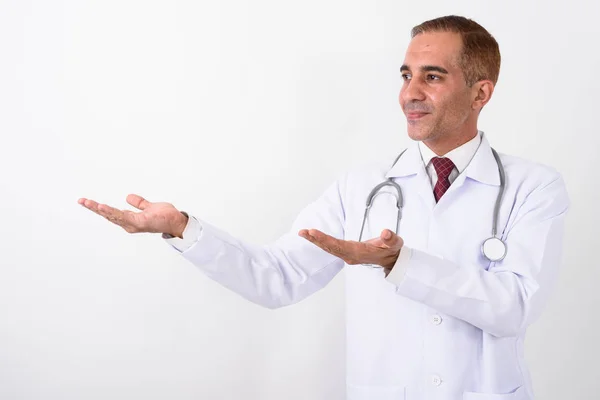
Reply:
x=443 y=145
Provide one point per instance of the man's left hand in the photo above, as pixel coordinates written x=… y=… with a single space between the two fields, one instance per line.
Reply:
x=383 y=250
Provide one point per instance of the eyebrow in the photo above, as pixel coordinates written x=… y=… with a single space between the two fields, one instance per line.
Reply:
x=426 y=68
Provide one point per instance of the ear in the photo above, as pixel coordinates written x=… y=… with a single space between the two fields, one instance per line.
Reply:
x=482 y=92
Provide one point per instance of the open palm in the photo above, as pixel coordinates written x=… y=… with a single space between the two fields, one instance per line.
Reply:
x=154 y=217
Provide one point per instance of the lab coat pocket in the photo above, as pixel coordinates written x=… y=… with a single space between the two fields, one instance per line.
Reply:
x=517 y=394
x=368 y=392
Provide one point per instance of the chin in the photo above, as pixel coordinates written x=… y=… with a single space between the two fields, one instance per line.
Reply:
x=418 y=133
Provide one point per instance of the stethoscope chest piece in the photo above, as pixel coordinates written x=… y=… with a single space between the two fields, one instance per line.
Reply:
x=494 y=249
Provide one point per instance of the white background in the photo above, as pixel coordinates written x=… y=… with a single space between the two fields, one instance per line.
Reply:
x=241 y=112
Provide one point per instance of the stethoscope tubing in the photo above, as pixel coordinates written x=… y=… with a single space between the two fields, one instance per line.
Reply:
x=400 y=203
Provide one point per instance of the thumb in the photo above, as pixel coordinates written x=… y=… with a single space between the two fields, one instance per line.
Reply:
x=390 y=239
x=138 y=201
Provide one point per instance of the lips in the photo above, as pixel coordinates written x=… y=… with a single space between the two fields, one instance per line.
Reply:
x=414 y=115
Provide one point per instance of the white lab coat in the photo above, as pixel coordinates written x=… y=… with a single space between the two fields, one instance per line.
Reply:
x=453 y=328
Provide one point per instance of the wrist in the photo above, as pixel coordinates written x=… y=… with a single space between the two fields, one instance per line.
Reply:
x=390 y=264
x=182 y=225
x=179 y=226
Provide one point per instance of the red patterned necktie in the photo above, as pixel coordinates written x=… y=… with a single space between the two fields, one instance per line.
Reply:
x=443 y=166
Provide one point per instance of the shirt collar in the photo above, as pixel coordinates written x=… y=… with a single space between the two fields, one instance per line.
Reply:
x=460 y=156
x=482 y=167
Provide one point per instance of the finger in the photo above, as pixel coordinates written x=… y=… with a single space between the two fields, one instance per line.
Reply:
x=128 y=220
x=110 y=213
x=131 y=221
x=391 y=240
x=327 y=241
x=89 y=204
x=386 y=234
x=305 y=233
x=319 y=238
x=377 y=242
x=383 y=240
x=339 y=248
x=100 y=209
x=138 y=201
x=95 y=207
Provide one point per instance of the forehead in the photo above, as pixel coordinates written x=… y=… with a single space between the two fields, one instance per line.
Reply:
x=434 y=48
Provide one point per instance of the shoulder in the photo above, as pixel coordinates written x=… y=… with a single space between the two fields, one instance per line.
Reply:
x=524 y=170
x=375 y=168
x=534 y=181
x=365 y=175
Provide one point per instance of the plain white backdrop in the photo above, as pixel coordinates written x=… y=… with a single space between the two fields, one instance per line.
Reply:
x=241 y=112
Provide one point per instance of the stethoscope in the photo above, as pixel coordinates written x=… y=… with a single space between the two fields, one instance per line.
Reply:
x=493 y=248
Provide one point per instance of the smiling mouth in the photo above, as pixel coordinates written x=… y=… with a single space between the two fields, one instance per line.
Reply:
x=415 y=115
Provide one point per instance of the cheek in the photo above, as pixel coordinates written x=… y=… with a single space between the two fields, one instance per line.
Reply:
x=462 y=108
x=400 y=94
x=454 y=108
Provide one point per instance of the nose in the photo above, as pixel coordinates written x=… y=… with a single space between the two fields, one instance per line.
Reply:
x=412 y=90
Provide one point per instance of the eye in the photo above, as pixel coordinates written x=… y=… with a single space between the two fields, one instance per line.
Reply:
x=406 y=77
x=432 y=77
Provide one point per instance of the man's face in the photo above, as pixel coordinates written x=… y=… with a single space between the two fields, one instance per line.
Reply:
x=435 y=97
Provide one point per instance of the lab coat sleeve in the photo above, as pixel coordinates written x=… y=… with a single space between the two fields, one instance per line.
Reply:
x=504 y=299
x=281 y=273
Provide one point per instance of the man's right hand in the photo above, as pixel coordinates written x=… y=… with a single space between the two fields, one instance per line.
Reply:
x=154 y=218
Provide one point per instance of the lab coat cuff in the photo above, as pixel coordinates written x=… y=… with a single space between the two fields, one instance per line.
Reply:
x=398 y=272
x=191 y=234
x=208 y=251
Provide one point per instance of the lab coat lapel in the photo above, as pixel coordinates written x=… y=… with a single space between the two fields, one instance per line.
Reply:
x=424 y=188
x=411 y=163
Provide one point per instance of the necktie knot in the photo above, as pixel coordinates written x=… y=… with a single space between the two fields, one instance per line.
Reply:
x=443 y=166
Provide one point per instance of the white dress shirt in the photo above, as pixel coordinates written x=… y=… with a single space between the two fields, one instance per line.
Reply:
x=460 y=156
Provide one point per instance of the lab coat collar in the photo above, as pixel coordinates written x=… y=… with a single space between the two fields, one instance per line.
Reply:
x=408 y=164
x=482 y=168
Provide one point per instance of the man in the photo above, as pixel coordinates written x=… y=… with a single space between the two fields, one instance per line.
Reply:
x=433 y=318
